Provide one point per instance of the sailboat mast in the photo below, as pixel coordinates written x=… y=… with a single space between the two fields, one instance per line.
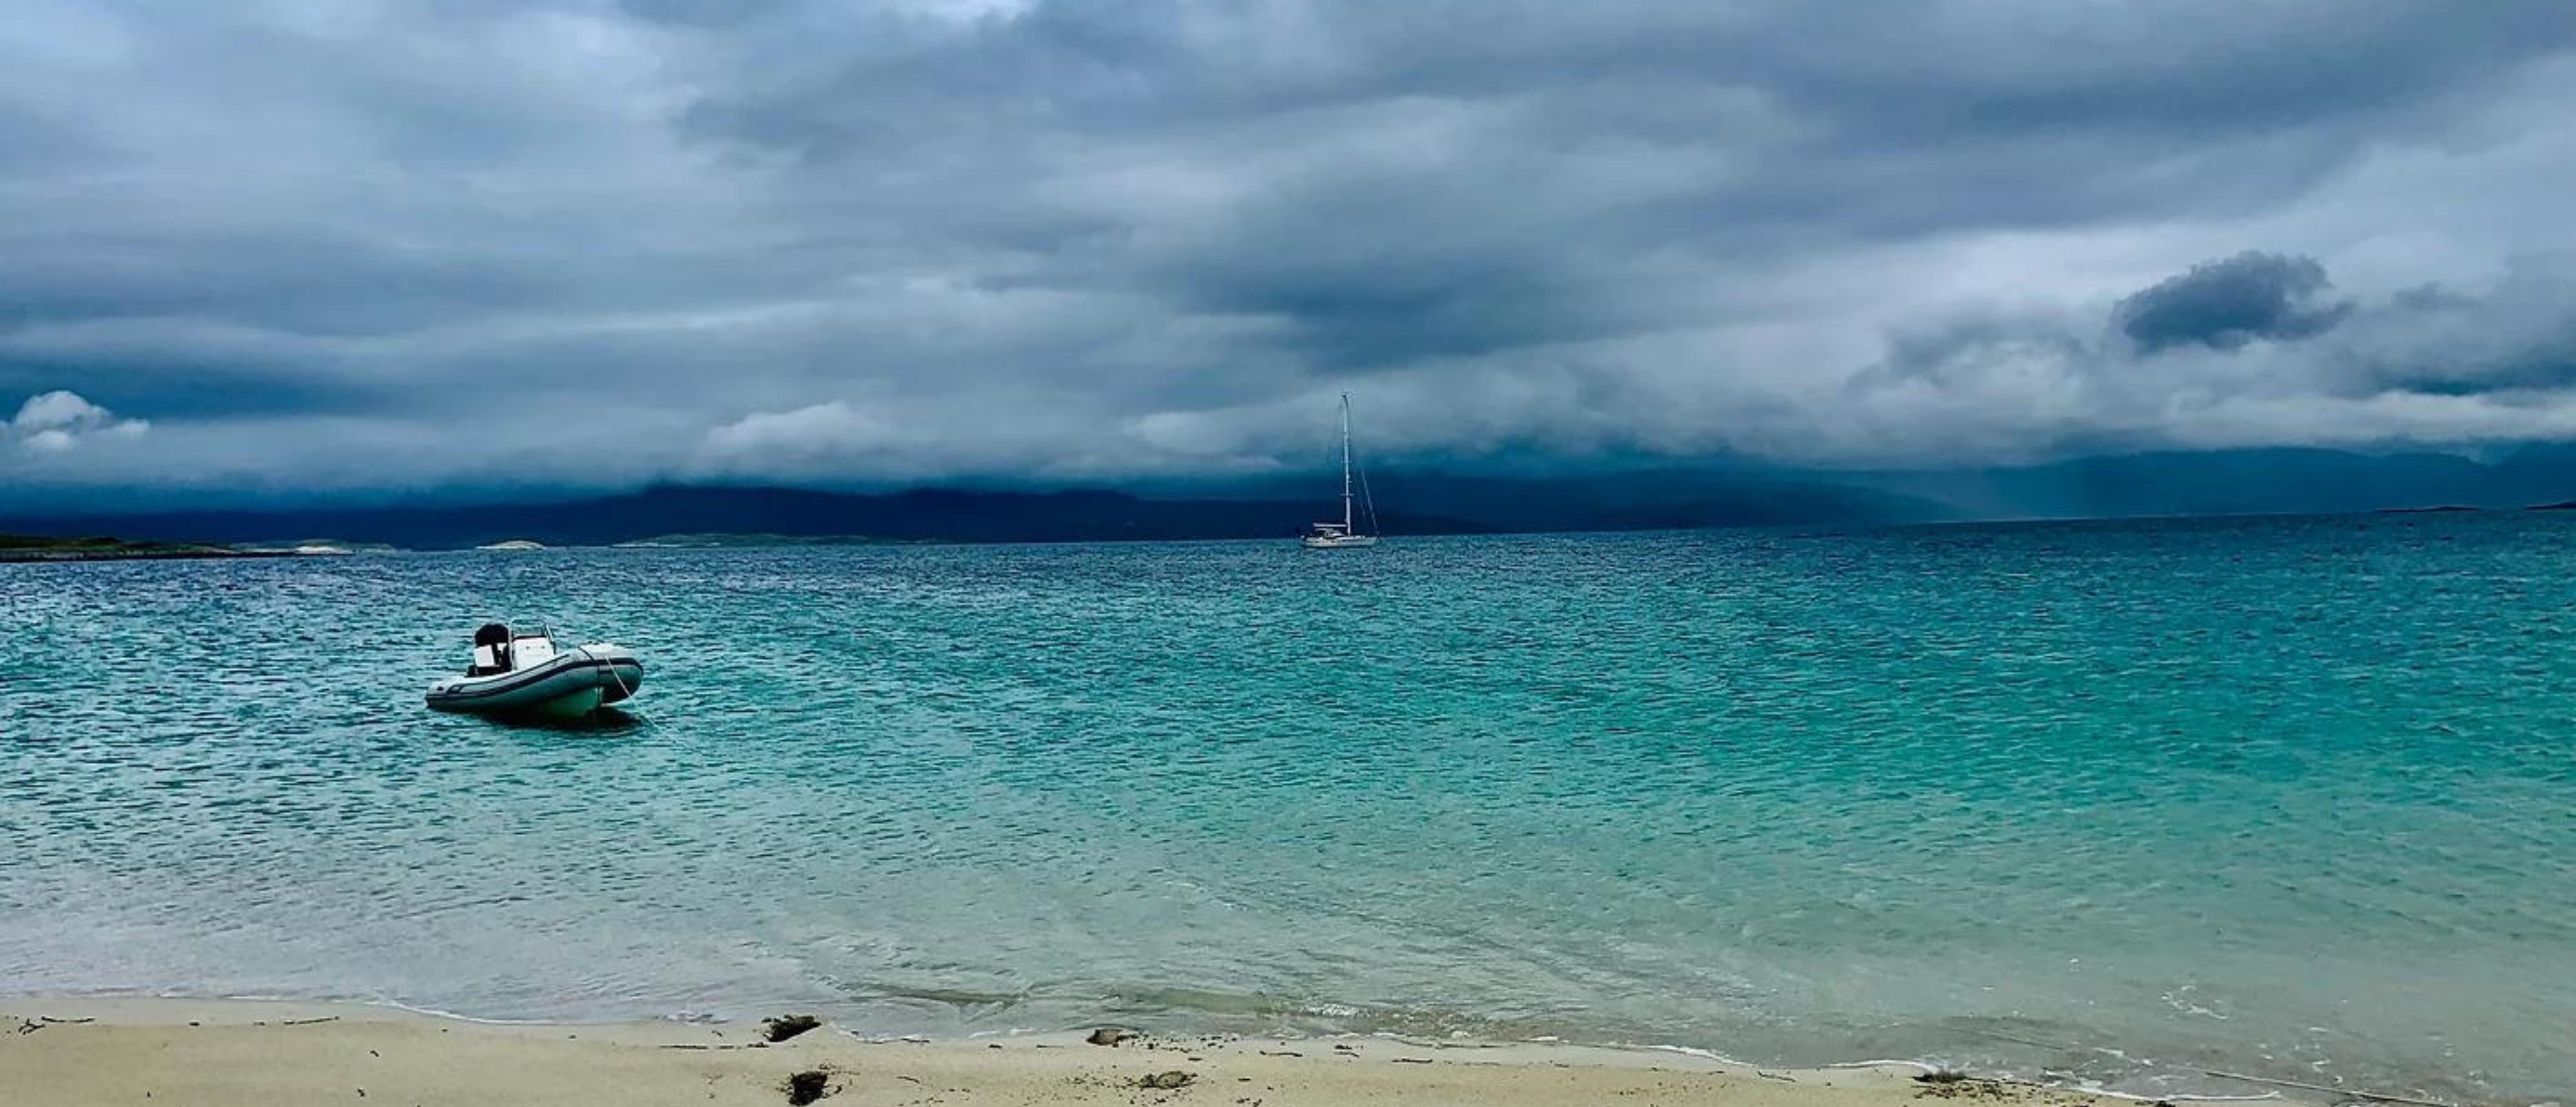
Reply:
x=1346 y=463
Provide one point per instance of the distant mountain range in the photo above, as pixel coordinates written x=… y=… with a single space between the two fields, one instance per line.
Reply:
x=1414 y=502
x=927 y=515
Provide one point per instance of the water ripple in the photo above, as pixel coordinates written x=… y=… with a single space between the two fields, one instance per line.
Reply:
x=2152 y=796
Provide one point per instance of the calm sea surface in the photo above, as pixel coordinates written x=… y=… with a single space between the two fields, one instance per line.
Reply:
x=2293 y=797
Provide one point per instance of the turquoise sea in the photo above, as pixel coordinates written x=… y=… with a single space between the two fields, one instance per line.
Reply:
x=2126 y=801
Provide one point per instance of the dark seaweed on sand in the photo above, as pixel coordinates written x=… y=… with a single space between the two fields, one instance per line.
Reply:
x=788 y=1026
x=806 y=1087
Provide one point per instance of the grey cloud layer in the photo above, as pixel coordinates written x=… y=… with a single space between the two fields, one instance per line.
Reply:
x=392 y=244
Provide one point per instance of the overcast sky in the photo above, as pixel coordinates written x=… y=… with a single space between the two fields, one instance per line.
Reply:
x=299 y=245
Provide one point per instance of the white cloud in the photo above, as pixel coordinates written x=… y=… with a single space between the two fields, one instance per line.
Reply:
x=59 y=421
x=56 y=409
x=822 y=440
x=48 y=442
x=824 y=428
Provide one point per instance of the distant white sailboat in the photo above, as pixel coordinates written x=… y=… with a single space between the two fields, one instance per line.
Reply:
x=1344 y=535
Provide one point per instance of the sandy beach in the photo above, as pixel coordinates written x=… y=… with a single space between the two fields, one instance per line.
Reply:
x=74 y=1053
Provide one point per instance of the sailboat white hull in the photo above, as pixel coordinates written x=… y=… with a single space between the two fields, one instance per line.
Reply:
x=1338 y=541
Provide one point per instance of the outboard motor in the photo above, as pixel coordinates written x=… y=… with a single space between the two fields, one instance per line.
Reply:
x=491 y=650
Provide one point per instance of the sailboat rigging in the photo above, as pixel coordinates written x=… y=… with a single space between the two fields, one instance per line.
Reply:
x=1344 y=535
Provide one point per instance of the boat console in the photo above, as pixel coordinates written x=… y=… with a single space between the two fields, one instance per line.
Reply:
x=491 y=650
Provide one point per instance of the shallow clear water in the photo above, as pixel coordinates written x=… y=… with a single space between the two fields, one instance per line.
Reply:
x=2295 y=797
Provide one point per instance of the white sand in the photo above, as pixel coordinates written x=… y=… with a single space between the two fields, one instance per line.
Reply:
x=257 y=1054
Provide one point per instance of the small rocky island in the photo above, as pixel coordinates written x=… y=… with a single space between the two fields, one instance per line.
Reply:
x=21 y=547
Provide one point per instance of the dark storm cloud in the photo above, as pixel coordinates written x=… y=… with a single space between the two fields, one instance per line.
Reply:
x=695 y=13
x=2179 y=364
x=2226 y=304
x=202 y=387
x=1070 y=239
x=2485 y=350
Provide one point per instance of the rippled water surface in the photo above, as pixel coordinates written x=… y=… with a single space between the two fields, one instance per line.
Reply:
x=2295 y=797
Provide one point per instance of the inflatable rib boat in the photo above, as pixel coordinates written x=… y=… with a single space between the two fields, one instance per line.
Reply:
x=532 y=674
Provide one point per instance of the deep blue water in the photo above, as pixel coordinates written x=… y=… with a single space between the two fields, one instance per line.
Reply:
x=2295 y=797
